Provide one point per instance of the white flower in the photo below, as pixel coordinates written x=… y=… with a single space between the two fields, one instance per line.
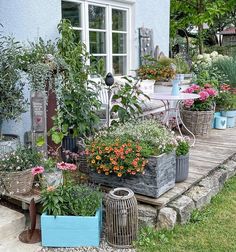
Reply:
x=199 y=57
x=214 y=54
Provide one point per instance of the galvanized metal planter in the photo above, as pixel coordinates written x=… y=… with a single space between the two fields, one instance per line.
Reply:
x=9 y=145
x=182 y=167
x=71 y=231
x=159 y=177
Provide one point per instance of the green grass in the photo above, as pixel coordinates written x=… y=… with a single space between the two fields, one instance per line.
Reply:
x=211 y=230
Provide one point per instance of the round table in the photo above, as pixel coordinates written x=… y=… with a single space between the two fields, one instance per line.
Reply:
x=167 y=99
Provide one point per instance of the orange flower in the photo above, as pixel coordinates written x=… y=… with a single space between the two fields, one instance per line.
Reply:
x=133 y=172
x=93 y=161
x=106 y=173
x=50 y=188
x=116 y=168
x=119 y=174
x=99 y=171
x=98 y=157
x=121 y=167
x=107 y=148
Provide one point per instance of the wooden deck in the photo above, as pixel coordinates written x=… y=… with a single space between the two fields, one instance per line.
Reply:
x=207 y=155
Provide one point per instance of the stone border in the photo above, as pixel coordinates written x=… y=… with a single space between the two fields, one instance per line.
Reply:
x=179 y=210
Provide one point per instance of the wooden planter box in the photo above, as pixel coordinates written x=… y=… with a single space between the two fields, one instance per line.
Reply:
x=159 y=177
x=71 y=231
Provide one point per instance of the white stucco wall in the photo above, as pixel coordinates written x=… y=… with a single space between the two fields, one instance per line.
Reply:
x=27 y=20
x=153 y=14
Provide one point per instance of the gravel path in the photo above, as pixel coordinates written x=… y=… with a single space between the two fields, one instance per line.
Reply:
x=104 y=247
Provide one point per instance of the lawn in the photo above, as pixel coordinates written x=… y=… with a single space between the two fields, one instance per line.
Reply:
x=211 y=230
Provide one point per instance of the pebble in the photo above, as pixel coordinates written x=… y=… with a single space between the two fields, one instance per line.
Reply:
x=104 y=247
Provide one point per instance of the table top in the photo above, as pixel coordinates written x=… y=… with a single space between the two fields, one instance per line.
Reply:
x=169 y=97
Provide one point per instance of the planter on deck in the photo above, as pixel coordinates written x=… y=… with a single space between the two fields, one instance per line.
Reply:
x=158 y=178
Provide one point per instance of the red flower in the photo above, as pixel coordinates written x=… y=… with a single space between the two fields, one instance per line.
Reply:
x=37 y=170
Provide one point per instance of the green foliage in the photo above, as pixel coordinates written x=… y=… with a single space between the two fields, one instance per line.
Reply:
x=224 y=50
x=182 y=147
x=20 y=160
x=77 y=101
x=228 y=67
x=182 y=66
x=12 y=101
x=128 y=106
x=67 y=200
x=49 y=164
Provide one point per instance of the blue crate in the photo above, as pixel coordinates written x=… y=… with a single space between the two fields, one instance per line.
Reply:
x=71 y=231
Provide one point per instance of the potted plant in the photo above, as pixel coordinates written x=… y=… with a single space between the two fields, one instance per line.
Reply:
x=161 y=70
x=182 y=159
x=72 y=214
x=197 y=114
x=182 y=67
x=12 y=101
x=138 y=155
x=15 y=169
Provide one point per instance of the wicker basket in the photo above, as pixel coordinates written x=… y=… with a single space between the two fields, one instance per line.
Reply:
x=20 y=182
x=198 y=122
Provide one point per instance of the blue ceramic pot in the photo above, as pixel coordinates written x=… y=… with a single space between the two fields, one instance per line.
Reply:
x=220 y=122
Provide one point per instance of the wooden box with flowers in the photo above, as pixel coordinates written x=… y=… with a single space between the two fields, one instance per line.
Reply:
x=138 y=155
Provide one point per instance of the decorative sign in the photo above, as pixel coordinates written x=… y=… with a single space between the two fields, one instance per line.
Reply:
x=145 y=43
x=38 y=115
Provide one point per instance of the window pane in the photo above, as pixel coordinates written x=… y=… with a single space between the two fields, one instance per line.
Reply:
x=118 y=43
x=97 y=42
x=119 y=65
x=119 y=20
x=72 y=11
x=99 y=63
x=97 y=16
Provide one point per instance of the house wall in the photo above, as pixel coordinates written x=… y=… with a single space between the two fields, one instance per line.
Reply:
x=29 y=20
x=153 y=14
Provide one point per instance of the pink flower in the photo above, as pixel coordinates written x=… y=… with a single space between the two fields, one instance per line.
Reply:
x=195 y=87
x=37 y=170
x=211 y=91
x=203 y=95
x=66 y=166
x=207 y=85
x=189 y=90
x=188 y=103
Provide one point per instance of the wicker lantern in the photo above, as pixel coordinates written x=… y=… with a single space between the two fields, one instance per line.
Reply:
x=121 y=218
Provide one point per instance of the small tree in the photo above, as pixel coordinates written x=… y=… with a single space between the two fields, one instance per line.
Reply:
x=12 y=101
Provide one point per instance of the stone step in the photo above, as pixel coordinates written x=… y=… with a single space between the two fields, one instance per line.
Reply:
x=11 y=223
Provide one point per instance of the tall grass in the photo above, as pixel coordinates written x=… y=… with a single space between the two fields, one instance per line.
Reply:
x=228 y=67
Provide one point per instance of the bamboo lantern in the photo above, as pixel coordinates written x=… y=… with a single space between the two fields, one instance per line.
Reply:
x=121 y=218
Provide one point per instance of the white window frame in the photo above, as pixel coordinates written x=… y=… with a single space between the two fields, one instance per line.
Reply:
x=126 y=5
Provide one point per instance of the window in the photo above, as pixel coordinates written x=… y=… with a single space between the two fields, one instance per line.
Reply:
x=104 y=30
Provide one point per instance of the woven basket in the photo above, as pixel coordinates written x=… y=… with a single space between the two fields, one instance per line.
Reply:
x=20 y=182
x=198 y=122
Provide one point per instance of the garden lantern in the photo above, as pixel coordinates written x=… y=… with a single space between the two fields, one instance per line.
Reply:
x=121 y=218
x=109 y=80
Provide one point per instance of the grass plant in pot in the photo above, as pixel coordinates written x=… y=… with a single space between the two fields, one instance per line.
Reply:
x=182 y=67
x=15 y=169
x=12 y=101
x=197 y=114
x=182 y=159
x=138 y=155
x=72 y=214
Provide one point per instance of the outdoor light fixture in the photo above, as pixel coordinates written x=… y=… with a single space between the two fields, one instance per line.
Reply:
x=109 y=81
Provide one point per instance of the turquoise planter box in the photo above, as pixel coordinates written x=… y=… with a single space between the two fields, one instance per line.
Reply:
x=214 y=119
x=71 y=231
x=220 y=122
x=230 y=113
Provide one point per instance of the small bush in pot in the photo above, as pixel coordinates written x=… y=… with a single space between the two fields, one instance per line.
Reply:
x=15 y=169
x=182 y=159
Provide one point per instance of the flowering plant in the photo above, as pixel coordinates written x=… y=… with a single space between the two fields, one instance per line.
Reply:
x=182 y=147
x=159 y=70
x=125 y=149
x=20 y=160
x=226 y=99
x=119 y=156
x=206 y=100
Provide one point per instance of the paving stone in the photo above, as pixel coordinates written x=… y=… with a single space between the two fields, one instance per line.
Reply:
x=200 y=196
x=230 y=167
x=147 y=215
x=184 y=207
x=166 y=218
x=211 y=183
